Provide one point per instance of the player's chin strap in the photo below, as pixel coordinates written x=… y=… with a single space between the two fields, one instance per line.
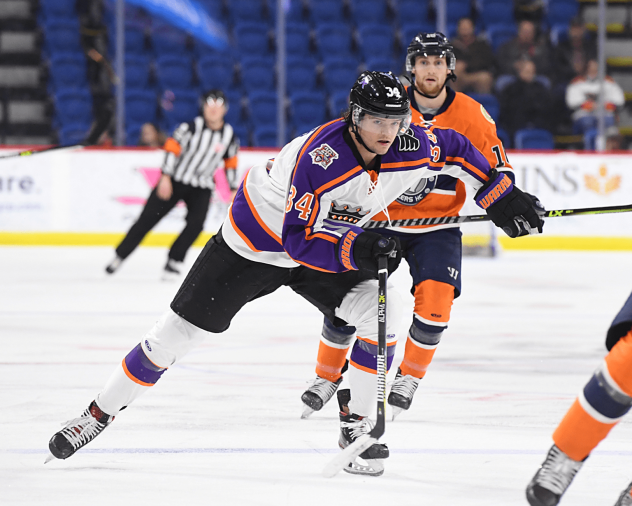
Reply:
x=451 y=77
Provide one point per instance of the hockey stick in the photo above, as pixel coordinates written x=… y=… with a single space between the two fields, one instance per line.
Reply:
x=353 y=451
x=449 y=220
x=99 y=126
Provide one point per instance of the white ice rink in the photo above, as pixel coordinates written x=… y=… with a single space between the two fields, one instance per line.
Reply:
x=223 y=426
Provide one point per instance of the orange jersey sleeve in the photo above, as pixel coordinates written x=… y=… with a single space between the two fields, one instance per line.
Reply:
x=470 y=119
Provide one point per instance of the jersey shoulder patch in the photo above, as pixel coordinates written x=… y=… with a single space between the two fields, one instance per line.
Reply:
x=323 y=155
x=408 y=141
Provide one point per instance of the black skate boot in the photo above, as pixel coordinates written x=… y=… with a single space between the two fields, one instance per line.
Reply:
x=319 y=393
x=78 y=432
x=114 y=265
x=173 y=270
x=625 y=499
x=552 y=479
x=402 y=392
x=352 y=427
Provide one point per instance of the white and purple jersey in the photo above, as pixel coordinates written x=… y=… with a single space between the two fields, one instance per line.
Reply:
x=317 y=192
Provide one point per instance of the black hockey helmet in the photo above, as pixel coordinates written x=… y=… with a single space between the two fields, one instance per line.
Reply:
x=379 y=94
x=430 y=44
x=214 y=96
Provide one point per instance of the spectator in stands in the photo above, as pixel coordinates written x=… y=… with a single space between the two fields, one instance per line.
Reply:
x=525 y=103
x=582 y=97
x=527 y=44
x=474 y=60
x=151 y=136
x=572 y=53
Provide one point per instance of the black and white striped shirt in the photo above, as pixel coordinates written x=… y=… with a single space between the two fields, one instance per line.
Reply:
x=202 y=151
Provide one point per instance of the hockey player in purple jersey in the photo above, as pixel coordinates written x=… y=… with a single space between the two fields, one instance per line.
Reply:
x=297 y=221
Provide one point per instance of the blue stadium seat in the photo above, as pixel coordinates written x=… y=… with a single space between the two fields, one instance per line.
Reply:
x=559 y=33
x=215 y=71
x=502 y=81
x=497 y=12
x=339 y=102
x=132 y=133
x=334 y=39
x=376 y=40
x=73 y=106
x=489 y=102
x=73 y=133
x=561 y=11
x=324 y=12
x=257 y=74
x=182 y=107
x=295 y=14
x=308 y=108
x=58 y=10
x=412 y=12
x=533 y=138
x=134 y=41
x=384 y=65
x=214 y=8
x=246 y=10
x=168 y=40
x=263 y=108
x=140 y=107
x=67 y=71
x=369 y=11
x=174 y=72
x=251 y=38
x=136 y=71
x=300 y=75
x=265 y=136
x=499 y=34
x=504 y=137
x=297 y=39
x=457 y=9
x=242 y=133
x=62 y=36
x=340 y=74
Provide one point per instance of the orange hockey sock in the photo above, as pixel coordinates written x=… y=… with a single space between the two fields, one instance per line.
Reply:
x=331 y=359
x=417 y=358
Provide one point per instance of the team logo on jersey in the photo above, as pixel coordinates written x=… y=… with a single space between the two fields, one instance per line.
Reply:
x=487 y=116
x=323 y=155
x=345 y=212
x=417 y=193
x=408 y=141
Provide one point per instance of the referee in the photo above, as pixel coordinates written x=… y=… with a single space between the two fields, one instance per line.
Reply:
x=193 y=155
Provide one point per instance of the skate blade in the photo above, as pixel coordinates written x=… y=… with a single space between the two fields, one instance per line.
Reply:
x=396 y=412
x=49 y=457
x=307 y=412
x=373 y=467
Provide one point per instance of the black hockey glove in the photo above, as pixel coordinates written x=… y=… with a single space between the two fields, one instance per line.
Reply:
x=516 y=212
x=366 y=247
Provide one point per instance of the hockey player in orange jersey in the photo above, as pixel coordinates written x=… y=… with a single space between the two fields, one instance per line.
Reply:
x=433 y=252
x=605 y=399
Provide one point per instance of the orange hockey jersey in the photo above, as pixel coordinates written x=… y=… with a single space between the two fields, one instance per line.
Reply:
x=445 y=195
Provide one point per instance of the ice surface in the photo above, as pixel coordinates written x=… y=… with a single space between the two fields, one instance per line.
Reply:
x=223 y=426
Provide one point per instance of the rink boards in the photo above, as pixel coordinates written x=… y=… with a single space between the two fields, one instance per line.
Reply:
x=92 y=196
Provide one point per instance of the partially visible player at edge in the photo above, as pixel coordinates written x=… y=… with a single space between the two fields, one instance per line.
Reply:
x=433 y=252
x=297 y=221
x=605 y=399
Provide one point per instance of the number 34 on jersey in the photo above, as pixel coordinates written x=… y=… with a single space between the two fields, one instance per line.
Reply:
x=303 y=205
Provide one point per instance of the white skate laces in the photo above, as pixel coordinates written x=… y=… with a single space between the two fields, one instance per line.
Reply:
x=80 y=431
x=405 y=385
x=357 y=427
x=318 y=394
x=557 y=471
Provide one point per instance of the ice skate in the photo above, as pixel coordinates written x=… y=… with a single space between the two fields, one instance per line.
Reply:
x=402 y=392
x=352 y=427
x=318 y=394
x=113 y=266
x=552 y=479
x=625 y=499
x=173 y=270
x=78 y=432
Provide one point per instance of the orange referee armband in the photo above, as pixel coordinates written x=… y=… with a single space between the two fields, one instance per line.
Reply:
x=172 y=146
